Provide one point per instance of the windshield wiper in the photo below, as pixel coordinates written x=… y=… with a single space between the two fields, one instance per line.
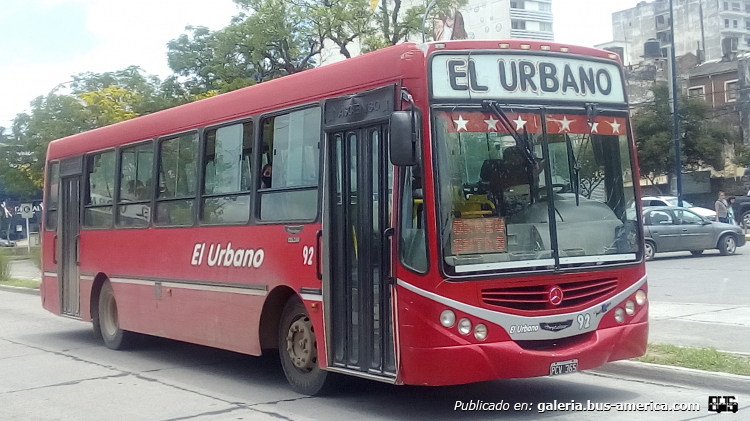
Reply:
x=521 y=142
x=574 y=168
x=591 y=112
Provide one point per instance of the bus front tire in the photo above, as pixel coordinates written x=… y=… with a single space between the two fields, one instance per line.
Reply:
x=298 y=350
x=108 y=322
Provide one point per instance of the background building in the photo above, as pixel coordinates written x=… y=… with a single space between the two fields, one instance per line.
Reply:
x=706 y=28
x=502 y=19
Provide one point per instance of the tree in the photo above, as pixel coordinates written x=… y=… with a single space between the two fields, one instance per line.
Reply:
x=270 y=39
x=96 y=100
x=397 y=23
x=702 y=140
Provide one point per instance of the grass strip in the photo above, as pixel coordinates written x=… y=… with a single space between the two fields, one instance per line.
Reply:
x=24 y=283
x=707 y=359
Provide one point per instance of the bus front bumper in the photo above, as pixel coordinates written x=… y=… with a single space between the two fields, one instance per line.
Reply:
x=499 y=360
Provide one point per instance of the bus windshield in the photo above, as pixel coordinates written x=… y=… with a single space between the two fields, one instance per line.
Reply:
x=538 y=200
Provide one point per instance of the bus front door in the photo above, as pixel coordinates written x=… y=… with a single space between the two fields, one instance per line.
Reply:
x=67 y=245
x=359 y=216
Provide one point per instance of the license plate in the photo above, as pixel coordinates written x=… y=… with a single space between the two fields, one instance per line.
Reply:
x=563 y=367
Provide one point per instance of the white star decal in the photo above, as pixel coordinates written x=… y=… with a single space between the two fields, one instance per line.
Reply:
x=460 y=123
x=565 y=124
x=594 y=127
x=491 y=123
x=615 y=126
x=520 y=123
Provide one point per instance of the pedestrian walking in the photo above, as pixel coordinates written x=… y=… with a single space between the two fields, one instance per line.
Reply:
x=721 y=208
x=730 y=211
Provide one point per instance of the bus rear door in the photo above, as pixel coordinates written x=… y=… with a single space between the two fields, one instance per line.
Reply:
x=68 y=229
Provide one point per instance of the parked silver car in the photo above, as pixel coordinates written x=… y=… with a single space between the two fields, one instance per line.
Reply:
x=672 y=201
x=6 y=243
x=671 y=228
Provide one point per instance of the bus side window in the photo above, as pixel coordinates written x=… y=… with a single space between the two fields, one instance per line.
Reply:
x=291 y=143
x=412 y=242
x=100 y=189
x=136 y=185
x=175 y=199
x=228 y=174
x=50 y=208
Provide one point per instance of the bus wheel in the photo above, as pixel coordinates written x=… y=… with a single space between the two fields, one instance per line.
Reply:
x=298 y=350
x=114 y=337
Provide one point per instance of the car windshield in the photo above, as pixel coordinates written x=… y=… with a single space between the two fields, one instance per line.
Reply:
x=498 y=193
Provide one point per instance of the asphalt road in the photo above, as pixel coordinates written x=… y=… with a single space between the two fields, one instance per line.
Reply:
x=51 y=368
x=701 y=301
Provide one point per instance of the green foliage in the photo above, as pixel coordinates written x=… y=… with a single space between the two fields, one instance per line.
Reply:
x=96 y=100
x=395 y=23
x=741 y=155
x=702 y=139
x=707 y=359
x=269 y=39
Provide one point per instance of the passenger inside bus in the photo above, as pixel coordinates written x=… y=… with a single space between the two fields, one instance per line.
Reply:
x=509 y=180
x=265 y=176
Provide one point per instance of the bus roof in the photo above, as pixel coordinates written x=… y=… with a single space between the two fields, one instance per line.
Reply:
x=335 y=79
x=311 y=85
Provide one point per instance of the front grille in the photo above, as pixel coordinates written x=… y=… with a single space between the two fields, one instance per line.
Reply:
x=536 y=297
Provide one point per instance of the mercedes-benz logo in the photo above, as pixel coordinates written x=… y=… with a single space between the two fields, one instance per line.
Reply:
x=555 y=295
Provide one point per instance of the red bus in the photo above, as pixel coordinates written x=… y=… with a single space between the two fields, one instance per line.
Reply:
x=430 y=214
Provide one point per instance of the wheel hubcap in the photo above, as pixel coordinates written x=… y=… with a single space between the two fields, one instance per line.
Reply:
x=730 y=245
x=649 y=251
x=300 y=344
x=109 y=318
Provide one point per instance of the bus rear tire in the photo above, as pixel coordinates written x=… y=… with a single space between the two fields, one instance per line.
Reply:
x=298 y=349
x=108 y=322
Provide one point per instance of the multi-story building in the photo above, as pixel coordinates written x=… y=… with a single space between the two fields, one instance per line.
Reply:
x=503 y=19
x=524 y=19
x=706 y=28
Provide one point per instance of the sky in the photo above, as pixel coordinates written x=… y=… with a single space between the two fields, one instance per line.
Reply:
x=44 y=42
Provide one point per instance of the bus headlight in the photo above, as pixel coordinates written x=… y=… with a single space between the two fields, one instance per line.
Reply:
x=480 y=332
x=447 y=318
x=620 y=315
x=640 y=297
x=630 y=308
x=464 y=326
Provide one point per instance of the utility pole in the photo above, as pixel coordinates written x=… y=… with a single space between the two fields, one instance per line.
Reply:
x=675 y=115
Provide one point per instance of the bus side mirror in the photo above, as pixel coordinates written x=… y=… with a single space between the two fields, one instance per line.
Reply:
x=403 y=138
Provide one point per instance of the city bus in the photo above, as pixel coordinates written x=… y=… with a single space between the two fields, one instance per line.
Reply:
x=426 y=214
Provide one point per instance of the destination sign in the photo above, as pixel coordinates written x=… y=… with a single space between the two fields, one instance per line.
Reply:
x=481 y=235
x=504 y=77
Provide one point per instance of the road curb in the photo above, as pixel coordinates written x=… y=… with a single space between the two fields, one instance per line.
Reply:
x=679 y=375
x=31 y=291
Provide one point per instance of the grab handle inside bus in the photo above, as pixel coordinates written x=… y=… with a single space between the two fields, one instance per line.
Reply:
x=54 y=249
x=388 y=245
x=318 y=271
